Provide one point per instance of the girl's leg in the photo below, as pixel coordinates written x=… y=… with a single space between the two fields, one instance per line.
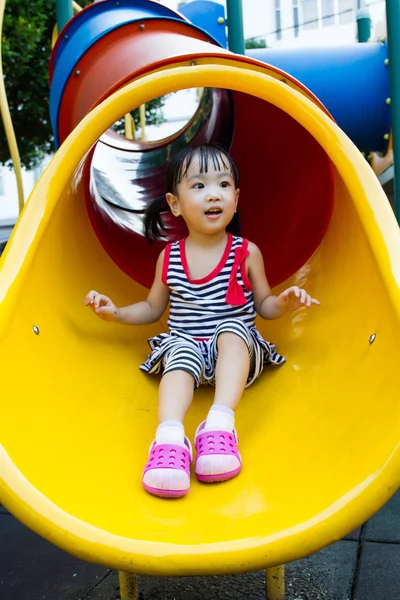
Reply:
x=231 y=374
x=167 y=471
x=232 y=371
x=222 y=460
x=175 y=396
x=182 y=369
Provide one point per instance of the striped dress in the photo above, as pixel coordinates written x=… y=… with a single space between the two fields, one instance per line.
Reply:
x=201 y=309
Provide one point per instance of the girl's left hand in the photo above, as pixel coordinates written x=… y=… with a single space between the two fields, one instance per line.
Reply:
x=294 y=298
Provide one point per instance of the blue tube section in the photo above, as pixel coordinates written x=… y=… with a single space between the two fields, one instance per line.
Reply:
x=205 y=14
x=91 y=25
x=351 y=81
x=112 y=13
x=85 y=29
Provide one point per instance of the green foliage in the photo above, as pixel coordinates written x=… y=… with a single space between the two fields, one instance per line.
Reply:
x=26 y=49
x=154 y=115
x=255 y=43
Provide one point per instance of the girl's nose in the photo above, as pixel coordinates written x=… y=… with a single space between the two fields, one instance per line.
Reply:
x=213 y=195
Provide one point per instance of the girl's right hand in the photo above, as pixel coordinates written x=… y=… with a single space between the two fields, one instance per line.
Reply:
x=102 y=306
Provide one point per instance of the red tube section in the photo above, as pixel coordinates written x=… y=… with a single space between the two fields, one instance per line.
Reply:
x=285 y=176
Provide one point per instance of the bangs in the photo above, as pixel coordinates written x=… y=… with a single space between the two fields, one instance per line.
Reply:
x=208 y=154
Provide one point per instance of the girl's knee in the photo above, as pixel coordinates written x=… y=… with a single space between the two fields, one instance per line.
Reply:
x=232 y=331
x=184 y=358
x=186 y=351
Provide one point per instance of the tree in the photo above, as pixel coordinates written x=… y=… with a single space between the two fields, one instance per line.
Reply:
x=26 y=48
x=255 y=43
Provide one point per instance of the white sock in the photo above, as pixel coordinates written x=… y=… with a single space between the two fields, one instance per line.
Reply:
x=220 y=417
x=170 y=432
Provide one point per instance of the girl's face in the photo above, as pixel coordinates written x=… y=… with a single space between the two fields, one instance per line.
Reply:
x=206 y=201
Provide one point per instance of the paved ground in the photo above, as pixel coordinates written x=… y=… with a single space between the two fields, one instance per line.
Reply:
x=6 y=227
x=364 y=566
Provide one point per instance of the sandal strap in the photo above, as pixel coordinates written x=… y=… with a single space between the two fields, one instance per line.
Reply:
x=202 y=425
x=169 y=456
x=212 y=442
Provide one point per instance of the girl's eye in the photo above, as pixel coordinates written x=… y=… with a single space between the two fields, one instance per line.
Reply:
x=198 y=186
x=225 y=184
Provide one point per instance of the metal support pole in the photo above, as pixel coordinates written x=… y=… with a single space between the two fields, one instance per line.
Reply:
x=142 y=112
x=129 y=127
x=64 y=12
x=393 y=32
x=363 y=25
x=275 y=578
x=128 y=586
x=235 y=26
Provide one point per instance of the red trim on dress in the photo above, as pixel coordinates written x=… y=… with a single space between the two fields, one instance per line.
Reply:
x=213 y=273
x=243 y=270
x=164 y=275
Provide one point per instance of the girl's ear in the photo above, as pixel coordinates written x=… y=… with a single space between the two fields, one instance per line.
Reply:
x=173 y=203
x=237 y=193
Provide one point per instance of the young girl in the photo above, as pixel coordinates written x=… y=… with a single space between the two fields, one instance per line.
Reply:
x=215 y=283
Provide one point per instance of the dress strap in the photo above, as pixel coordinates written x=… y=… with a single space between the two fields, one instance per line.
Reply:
x=235 y=294
x=167 y=253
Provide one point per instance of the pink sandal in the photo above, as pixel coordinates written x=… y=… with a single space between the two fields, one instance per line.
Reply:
x=173 y=457
x=218 y=444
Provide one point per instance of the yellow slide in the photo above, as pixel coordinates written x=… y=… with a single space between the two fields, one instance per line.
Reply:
x=319 y=436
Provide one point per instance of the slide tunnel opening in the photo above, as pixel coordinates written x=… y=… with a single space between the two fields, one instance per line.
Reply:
x=182 y=106
x=286 y=184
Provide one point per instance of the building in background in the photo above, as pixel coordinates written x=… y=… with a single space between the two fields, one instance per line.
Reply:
x=290 y=23
x=8 y=189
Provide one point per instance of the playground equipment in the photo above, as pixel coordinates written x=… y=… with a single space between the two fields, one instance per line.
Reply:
x=323 y=454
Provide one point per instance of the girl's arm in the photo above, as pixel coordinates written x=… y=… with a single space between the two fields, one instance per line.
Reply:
x=267 y=305
x=141 y=313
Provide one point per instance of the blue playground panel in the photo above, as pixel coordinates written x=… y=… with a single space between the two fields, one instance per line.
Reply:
x=205 y=14
x=351 y=81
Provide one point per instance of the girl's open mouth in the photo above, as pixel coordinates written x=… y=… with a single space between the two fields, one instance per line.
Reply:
x=213 y=213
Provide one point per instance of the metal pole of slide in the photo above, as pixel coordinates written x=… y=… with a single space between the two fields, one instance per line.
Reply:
x=393 y=33
x=235 y=26
x=363 y=25
x=64 y=13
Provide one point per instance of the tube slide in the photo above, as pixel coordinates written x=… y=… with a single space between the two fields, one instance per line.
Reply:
x=352 y=81
x=319 y=436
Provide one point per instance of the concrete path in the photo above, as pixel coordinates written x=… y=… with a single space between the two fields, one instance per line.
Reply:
x=364 y=566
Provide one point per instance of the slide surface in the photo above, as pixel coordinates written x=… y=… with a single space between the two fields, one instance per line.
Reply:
x=319 y=436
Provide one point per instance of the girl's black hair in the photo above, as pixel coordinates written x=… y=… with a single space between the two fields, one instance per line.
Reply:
x=154 y=227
